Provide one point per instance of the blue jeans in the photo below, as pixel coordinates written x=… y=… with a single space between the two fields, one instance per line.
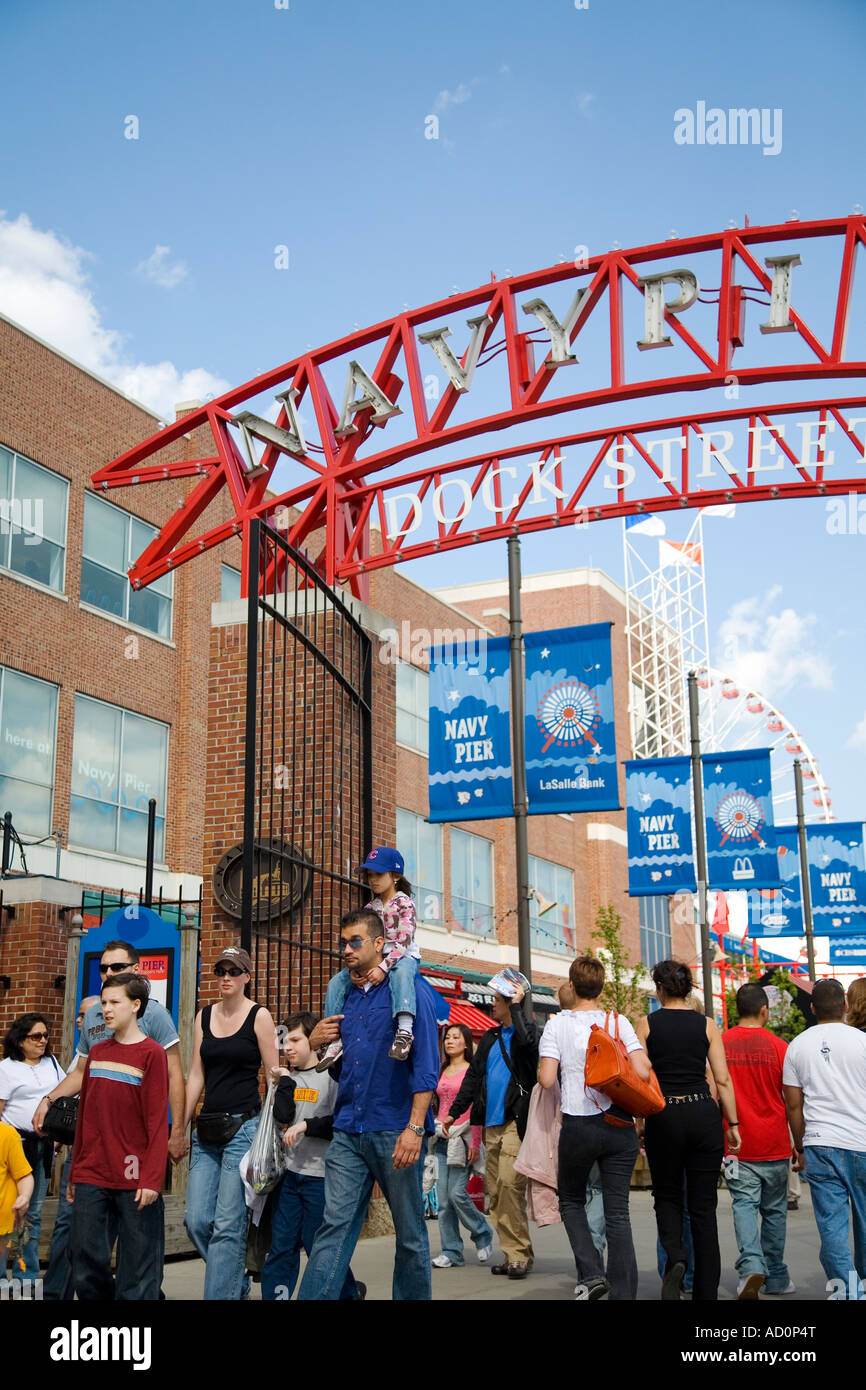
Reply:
x=595 y=1208
x=454 y=1203
x=216 y=1211
x=30 y=1253
x=298 y=1208
x=401 y=982
x=353 y=1163
x=761 y=1189
x=583 y=1141
x=837 y=1177
x=96 y=1213
x=57 y=1284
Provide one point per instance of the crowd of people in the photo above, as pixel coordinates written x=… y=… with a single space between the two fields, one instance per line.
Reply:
x=365 y=1093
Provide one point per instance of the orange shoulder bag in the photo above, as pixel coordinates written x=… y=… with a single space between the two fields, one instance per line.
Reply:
x=609 y=1070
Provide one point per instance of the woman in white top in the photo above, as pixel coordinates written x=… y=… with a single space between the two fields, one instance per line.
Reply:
x=27 y=1073
x=588 y=1137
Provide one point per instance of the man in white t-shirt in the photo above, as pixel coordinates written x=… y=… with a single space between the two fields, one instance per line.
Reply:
x=824 y=1077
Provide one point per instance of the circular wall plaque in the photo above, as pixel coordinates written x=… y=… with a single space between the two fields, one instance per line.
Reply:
x=282 y=879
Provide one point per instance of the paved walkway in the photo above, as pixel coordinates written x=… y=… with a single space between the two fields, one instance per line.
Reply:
x=553 y=1277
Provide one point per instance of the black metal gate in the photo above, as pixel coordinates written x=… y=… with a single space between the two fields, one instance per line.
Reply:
x=308 y=773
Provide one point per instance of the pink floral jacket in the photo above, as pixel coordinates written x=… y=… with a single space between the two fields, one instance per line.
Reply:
x=398 y=919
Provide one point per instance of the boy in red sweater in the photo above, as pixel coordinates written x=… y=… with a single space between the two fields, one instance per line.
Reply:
x=120 y=1153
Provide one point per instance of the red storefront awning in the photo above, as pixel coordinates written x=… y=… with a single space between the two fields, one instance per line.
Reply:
x=474 y=1019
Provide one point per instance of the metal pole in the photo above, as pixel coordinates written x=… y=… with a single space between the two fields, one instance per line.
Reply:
x=151 y=840
x=252 y=557
x=805 y=884
x=70 y=988
x=7 y=841
x=58 y=835
x=700 y=844
x=518 y=765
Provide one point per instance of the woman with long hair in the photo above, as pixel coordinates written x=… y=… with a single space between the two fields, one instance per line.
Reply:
x=857 y=1004
x=456 y=1155
x=590 y=1135
x=686 y=1140
x=28 y=1072
x=233 y=1039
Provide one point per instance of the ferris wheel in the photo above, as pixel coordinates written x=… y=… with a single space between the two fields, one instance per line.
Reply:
x=742 y=718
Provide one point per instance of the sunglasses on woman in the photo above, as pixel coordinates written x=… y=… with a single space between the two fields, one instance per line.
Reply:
x=37 y=1037
x=228 y=970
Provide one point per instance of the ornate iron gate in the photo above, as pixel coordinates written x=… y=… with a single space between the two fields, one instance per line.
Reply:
x=308 y=772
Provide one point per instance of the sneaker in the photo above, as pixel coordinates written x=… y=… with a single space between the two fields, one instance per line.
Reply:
x=673 y=1282
x=443 y=1262
x=518 y=1271
x=750 y=1287
x=484 y=1253
x=332 y=1053
x=790 y=1289
x=401 y=1046
x=591 y=1291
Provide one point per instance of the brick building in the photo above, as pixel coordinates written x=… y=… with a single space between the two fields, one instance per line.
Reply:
x=109 y=697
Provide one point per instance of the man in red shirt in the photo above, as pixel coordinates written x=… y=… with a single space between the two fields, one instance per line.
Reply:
x=758 y=1183
x=120 y=1154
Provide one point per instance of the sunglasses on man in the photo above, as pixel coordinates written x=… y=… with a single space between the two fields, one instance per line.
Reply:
x=116 y=967
x=233 y=970
x=353 y=943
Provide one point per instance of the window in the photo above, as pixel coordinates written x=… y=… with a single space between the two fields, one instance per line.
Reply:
x=421 y=847
x=413 y=707
x=112 y=541
x=655 y=930
x=230 y=584
x=28 y=734
x=32 y=520
x=119 y=761
x=554 y=930
x=472 y=882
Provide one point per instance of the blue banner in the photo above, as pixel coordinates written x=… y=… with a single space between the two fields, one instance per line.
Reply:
x=738 y=811
x=848 y=950
x=659 y=822
x=837 y=877
x=470 y=732
x=779 y=911
x=570 y=747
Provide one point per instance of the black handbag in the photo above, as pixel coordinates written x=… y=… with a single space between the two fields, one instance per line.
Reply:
x=220 y=1127
x=61 y=1118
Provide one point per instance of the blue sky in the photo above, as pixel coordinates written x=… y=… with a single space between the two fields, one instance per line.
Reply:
x=152 y=260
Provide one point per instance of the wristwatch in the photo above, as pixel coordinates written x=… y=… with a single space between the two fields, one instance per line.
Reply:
x=417 y=1129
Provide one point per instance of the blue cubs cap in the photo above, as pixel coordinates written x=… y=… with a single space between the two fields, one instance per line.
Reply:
x=383 y=860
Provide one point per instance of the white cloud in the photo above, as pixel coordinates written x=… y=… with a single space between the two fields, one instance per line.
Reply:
x=772 y=651
x=584 y=103
x=504 y=70
x=161 y=270
x=445 y=98
x=44 y=287
x=858 y=738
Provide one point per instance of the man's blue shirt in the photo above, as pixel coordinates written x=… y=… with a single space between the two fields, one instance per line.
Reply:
x=498 y=1077
x=373 y=1092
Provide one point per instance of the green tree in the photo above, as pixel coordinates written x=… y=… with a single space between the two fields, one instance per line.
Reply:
x=785 y=1019
x=623 y=982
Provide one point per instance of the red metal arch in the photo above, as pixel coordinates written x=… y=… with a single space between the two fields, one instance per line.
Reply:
x=341 y=483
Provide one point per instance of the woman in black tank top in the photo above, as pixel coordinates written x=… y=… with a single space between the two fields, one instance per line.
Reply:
x=685 y=1142
x=234 y=1038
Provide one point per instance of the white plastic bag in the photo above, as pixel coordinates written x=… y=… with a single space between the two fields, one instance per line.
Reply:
x=266 y=1165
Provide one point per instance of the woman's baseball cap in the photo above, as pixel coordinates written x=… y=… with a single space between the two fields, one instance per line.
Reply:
x=383 y=860
x=233 y=955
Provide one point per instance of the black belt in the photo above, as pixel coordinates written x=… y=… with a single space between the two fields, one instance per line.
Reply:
x=686 y=1100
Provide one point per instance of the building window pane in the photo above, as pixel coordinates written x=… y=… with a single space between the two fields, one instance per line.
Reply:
x=655 y=929
x=28 y=731
x=32 y=519
x=112 y=541
x=413 y=701
x=552 y=930
x=472 y=882
x=230 y=584
x=119 y=761
x=421 y=847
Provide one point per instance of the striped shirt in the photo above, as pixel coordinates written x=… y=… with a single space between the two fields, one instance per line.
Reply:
x=121 y=1139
